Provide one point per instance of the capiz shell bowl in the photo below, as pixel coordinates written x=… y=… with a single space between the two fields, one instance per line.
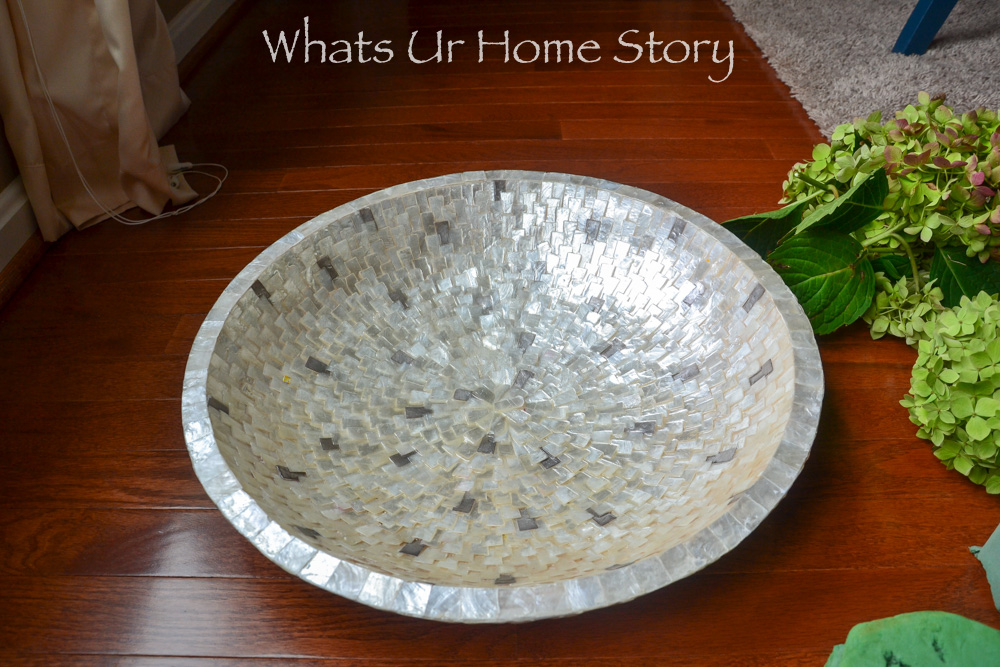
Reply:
x=501 y=396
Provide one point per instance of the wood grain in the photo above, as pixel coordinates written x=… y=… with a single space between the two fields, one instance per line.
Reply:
x=111 y=553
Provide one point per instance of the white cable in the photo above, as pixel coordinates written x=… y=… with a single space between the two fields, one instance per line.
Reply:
x=83 y=180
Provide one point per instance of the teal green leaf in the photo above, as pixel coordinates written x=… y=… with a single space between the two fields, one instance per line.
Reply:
x=958 y=275
x=762 y=231
x=852 y=210
x=828 y=274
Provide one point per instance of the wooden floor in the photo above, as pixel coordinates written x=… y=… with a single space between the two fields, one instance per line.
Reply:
x=111 y=549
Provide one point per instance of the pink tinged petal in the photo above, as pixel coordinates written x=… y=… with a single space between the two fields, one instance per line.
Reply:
x=995 y=139
x=959 y=163
x=901 y=123
x=977 y=178
x=984 y=229
x=906 y=171
x=976 y=199
x=995 y=216
x=973 y=163
x=896 y=135
x=941 y=162
x=950 y=131
x=985 y=191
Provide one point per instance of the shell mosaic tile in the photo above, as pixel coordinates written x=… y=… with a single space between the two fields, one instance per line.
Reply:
x=501 y=396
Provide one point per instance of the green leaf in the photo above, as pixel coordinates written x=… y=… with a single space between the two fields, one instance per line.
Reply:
x=962 y=464
x=948 y=375
x=993 y=484
x=762 y=231
x=821 y=151
x=854 y=209
x=958 y=275
x=828 y=274
x=987 y=406
x=977 y=428
x=893 y=266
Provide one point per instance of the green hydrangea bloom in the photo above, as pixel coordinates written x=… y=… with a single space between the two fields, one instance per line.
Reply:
x=954 y=394
x=900 y=310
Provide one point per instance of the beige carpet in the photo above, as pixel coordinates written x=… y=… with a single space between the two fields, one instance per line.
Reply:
x=836 y=55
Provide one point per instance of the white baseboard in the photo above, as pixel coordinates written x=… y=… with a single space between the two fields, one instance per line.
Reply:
x=17 y=220
x=193 y=22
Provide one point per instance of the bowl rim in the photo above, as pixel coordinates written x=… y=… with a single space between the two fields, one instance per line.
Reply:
x=503 y=603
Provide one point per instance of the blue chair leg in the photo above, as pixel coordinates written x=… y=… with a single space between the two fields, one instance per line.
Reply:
x=925 y=21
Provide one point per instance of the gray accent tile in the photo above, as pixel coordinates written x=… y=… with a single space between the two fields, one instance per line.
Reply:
x=259 y=289
x=314 y=364
x=308 y=532
x=687 y=373
x=417 y=411
x=677 y=229
x=401 y=459
x=549 y=461
x=504 y=580
x=724 y=456
x=755 y=294
x=466 y=505
x=595 y=303
x=498 y=188
x=526 y=522
x=522 y=378
x=592 y=228
x=462 y=395
x=327 y=265
x=414 y=548
x=443 y=232
x=646 y=428
x=764 y=371
x=329 y=445
x=524 y=340
x=290 y=475
x=612 y=348
x=488 y=444
x=400 y=298
x=213 y=402
x=601 y=519
x=368 y=216
x=401 y=357
x=696 y=295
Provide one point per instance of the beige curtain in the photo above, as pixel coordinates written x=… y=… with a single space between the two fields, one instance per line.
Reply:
x=110 y=71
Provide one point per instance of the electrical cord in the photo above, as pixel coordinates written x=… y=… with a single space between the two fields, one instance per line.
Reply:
x=185 y=167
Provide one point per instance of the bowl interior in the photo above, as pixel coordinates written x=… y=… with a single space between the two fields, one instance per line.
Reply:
x=501 y=383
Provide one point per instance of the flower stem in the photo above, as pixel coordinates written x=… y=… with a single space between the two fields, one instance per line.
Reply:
x=884 y=234
x=811 y=181
x=913 y=260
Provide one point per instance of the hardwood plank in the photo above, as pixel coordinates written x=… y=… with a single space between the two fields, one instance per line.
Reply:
x=796 y=537
x=118 y=379
x=210 y=118
x=150 y=478
x=771 y=612
x=637 y=172
x=225 y=618
x=16 y=271
x=50 y=428
x=128 y=542
x=44 y=298
x=786 y=659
